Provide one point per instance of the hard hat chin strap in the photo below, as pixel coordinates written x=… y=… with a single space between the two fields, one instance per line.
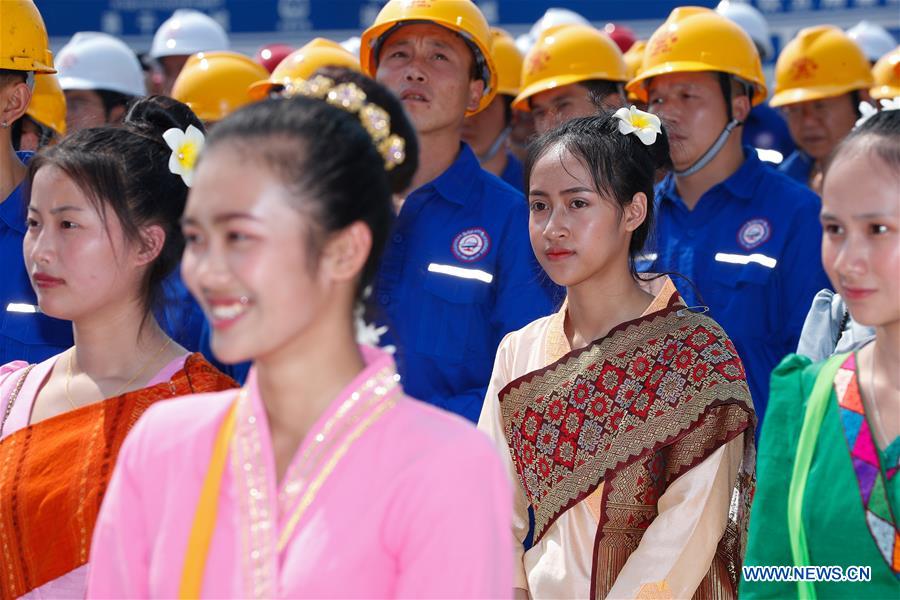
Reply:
x=496 y=146
x=712 y=152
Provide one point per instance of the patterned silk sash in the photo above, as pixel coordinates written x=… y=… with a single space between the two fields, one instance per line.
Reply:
x=640 y=388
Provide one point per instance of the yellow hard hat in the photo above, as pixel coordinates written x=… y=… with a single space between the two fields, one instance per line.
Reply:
x=48 y=103
x=508 y=61
x=302 y=63
x=23 y=38
x=569 y=54
x=214 y=84
x=635 y=57
x=820 y=62
x=460 y=16
x=695 y=39
x=887 y=76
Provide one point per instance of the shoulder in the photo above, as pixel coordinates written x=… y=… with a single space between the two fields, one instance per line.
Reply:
x=501 y=196
x=175 y=427
x=529 y=333
x=775 y=187
x=204 y=377
x=435 y=438
x=12 y=369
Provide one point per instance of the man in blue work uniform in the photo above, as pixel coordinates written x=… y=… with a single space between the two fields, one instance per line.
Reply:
x=746 y=236
x=458 y=273
x=25 y=334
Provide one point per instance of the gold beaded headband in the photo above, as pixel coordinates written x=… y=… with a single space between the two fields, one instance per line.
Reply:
x=352 y=99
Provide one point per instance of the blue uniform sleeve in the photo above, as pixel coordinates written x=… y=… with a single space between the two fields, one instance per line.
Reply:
x=803 y=275
x=523 y=294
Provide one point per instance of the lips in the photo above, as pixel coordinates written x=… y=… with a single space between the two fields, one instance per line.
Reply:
x=558 y=253
x=854 y=293
x=44 y=281
x=414 y=95
x=225 y=312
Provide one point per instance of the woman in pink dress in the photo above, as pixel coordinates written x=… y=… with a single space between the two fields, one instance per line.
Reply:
x=319 y=478
x=102 y=234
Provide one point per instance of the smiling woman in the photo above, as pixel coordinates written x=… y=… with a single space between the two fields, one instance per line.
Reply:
x=102 y=234
x=829 y=464
x=322 y=478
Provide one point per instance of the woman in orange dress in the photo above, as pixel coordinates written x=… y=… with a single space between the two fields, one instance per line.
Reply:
x=102 y=235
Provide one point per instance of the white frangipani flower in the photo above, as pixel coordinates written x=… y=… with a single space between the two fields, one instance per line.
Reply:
x=186 y=146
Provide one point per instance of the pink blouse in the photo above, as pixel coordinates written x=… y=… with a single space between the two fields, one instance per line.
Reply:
x=385 y=497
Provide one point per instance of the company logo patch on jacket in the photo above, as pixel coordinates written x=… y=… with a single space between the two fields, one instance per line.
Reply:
x=754 y=233
x=472 y=244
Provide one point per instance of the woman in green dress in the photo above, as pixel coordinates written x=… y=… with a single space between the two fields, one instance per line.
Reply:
x=828 y=489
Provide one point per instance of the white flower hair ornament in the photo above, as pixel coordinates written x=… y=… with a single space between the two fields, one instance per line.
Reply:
x=186 y=146
x=644 y=125
x=867 y=110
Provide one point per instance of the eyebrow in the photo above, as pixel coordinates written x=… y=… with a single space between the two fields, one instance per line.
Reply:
x=826 y=216
x=408 y=42
x=565 y=192
x=58 y=209
x=219 y=219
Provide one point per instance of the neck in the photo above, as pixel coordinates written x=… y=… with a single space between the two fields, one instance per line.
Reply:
x=439 y=149
x=113 y=345
x=597 y=305
x=723 y=166
x=12 y=171
x=886 y=353
x=299 y=382
x=497 y=163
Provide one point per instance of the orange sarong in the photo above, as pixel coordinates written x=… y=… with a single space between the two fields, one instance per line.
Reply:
x=53 y=476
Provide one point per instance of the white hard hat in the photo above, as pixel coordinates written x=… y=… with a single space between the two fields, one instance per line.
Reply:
x=352 y=44
x=188 y=32
x=99 y=61
x=752 y=22
x=554 y=17
x=524 y=43
x=874 y=39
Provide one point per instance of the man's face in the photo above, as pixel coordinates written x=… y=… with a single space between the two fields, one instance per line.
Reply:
x=430 y=69
x=692 y=110
x=817 y=126
x=554 y=107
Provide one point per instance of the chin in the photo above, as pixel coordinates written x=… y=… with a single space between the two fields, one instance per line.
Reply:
x=870 y=314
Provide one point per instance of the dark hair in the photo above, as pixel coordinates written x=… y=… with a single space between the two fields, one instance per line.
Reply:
x=879 y=134
x=11 y=76
x=600 y=89
x=324 y=153
x=620 y=165
x=126 y=170
x=112 y=100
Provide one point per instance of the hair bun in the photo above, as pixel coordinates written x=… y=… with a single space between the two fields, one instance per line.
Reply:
x=154 y=115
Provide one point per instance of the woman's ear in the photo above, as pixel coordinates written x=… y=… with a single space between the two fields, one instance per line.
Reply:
x=635 y=212
x=153 y=238
x=346 y=252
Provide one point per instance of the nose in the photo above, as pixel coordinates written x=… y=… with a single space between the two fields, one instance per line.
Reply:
x=39 y=246
x=414 y=73
x=204 y=269
x=557 y=226
x=852 y=259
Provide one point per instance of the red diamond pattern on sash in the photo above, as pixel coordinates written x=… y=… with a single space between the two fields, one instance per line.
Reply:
x=562 y=419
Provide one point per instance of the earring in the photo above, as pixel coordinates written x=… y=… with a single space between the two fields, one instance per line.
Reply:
x=4 y=125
